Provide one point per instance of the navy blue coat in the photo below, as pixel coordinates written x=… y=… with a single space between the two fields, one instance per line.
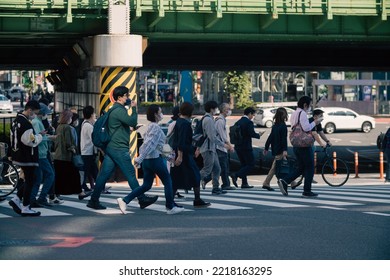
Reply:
x=248 y=132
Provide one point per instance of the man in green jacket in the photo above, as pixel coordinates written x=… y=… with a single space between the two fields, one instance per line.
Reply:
x=117 y=151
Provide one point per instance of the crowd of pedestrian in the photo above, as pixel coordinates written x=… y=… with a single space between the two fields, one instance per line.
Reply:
x=47 y=155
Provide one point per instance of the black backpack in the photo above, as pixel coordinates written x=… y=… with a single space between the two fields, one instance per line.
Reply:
x=381 y=141
x=100 y=133
x=198 y=137
x=235 y=134
x=170 y=139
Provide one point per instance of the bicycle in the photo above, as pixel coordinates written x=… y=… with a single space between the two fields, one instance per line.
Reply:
x=334 y=171
x=9 y=174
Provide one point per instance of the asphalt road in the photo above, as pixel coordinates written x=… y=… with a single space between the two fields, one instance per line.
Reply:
x=347 y=223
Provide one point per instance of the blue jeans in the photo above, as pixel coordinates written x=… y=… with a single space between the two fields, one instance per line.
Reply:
x=224 y=163
x=305 y=159
x=90 y=171
x=112 y=159
x=45 y=173
x=150 y=168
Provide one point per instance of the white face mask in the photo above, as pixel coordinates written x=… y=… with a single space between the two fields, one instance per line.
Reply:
x=44 y=117
x=32 y=116
x=229 y=113
x=76 y=123
x=216 y=112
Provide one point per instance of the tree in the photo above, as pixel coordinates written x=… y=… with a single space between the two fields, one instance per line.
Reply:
x=239 y=87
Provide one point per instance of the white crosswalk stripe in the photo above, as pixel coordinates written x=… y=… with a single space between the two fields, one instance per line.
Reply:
x=354 y=198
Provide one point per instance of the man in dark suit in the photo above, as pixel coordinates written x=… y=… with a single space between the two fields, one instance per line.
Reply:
x=244 y=148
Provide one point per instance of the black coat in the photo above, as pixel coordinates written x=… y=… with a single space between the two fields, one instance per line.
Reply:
x=248 y=132
x=186 y=175
x=24 y=142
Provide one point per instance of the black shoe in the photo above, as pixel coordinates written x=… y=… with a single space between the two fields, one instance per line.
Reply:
x=84 y=195
x=283 y=186
x=246 y=187
x=228 y=188
x=218 y=191
x=268 y=188
x=44 y=203
x=178 y=195
x=148 y=200
x=35 y=204
x=95 y=205
x=234 y=180
x=297 y=184
x=106 y=190
x=309 y=195
x=201 y=204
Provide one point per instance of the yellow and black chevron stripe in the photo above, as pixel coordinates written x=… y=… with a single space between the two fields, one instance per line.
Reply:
x=110 y=78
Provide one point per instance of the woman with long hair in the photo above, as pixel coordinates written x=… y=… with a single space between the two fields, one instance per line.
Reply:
x=67 y=180
x=278 y=142
x=150 y=155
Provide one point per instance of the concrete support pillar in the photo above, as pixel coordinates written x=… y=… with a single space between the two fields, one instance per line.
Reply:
x=118 y=54
x=110 y=78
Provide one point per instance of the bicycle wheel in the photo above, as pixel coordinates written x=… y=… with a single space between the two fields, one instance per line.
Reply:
x=335 y=172
x=9 y=178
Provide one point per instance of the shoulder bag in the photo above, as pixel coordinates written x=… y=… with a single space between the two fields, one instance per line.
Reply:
x=300 y=138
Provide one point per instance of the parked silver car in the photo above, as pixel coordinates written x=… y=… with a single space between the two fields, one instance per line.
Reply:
x=265 y=116
x=5 y=105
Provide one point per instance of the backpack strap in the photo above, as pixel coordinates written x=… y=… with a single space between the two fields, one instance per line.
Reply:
x=108 y=119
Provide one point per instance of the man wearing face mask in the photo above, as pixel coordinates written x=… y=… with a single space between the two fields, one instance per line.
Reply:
x=304 y=155
x=24 y=152
x=45 y=171
x=117 y=151
x=222 y=151
x=211 y=169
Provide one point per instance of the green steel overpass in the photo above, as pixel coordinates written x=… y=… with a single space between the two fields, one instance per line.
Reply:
x=247 y=34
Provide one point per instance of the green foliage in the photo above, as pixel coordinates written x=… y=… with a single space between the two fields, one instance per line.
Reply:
x=351 y=75
x=238 y=85
x=4 y=131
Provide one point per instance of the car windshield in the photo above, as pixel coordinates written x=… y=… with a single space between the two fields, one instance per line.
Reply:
x=3 y=98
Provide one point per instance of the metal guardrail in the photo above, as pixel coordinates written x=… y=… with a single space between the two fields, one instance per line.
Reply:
x=329 y=8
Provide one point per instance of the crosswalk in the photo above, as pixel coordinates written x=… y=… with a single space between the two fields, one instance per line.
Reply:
x=370 y=200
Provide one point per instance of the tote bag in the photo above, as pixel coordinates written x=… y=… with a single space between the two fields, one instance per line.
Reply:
x=300 y=138
x=78 y=162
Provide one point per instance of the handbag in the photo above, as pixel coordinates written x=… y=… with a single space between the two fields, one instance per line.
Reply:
x=300 y=138
x=282 y=168
x=166 y=151
x=78 y=162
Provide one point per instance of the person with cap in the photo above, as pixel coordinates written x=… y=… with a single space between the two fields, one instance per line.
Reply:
x=45 y=171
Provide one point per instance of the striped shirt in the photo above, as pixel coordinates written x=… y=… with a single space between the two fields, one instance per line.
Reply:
x=154 y=140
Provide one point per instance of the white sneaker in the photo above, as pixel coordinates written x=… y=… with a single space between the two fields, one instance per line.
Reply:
x=16 y=204
x=27 y=211
x=175 y=210
x=17 y=201
x=122 y=205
